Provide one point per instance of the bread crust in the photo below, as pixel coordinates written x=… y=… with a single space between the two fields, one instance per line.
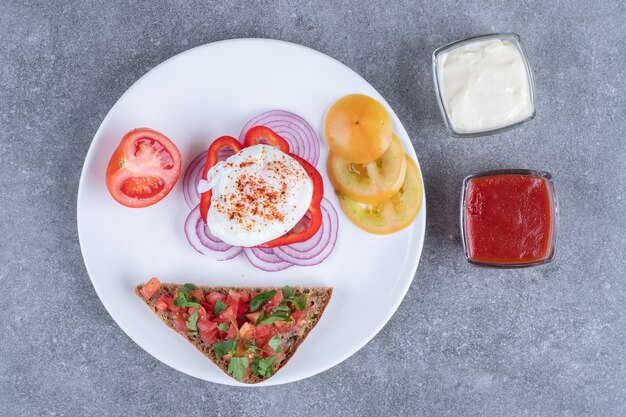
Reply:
x=318 y=299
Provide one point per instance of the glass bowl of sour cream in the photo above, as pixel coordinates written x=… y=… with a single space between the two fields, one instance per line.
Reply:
x=484 y=85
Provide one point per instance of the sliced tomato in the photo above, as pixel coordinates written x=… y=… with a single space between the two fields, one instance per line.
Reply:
x=393 y=214
x=358 y=128
x=370 y=183
x=143 y=169
x=150 y=288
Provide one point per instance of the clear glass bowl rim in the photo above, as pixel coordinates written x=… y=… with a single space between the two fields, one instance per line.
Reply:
x=555 y=213
x=517 y=41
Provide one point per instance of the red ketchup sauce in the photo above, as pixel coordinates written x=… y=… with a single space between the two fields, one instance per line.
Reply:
x=509 y=219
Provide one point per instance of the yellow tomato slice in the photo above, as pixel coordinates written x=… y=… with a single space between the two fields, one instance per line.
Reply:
x=358 y=128
x=370 y=183
x=394 y=214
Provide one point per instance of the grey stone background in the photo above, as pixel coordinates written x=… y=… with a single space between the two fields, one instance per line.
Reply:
x=465 y=342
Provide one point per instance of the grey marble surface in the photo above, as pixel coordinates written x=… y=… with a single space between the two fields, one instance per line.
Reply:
x=465 y=341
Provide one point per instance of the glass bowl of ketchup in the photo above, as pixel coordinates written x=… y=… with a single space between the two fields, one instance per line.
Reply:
x=509 y=218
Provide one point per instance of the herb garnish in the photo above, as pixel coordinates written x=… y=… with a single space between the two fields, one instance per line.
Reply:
x=237 y=367
x=260 y=299
x=277 y=316
x=219 y=307
x=225 y=347
x=263 y=367
x=276 y=344
x=192 y=321
x=182 y=298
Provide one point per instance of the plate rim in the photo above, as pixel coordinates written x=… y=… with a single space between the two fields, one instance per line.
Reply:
x=370 y=335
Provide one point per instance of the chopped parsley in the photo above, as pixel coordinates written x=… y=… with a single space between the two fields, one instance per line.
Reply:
x=237 y=367
x=277 y=316
x=182 y=298
x=192 y=321
x=276 y=344
x=260 y=299
x=263 y=367
x=219 y=307
x=288 y=291
x=225 y=347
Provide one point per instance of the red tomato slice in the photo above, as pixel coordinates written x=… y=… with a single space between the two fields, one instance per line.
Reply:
x=143 y=169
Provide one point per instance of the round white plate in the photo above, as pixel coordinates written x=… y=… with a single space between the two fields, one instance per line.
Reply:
x=192 y=98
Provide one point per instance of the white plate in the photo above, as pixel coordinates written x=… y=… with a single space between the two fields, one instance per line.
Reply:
x=192 y=98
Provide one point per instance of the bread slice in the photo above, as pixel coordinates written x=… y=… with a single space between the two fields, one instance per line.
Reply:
x=318 y=298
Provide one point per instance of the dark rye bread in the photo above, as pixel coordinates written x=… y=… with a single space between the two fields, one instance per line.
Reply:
x=317 y=297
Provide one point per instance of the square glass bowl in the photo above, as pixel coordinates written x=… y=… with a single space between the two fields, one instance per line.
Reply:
x=513 y=39
x=481 y=203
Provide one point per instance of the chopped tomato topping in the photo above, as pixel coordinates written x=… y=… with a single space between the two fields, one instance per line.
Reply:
x=234 y=320
x=198 y=293
x=298 y=316
x=214 y=296
x=275 y=301
x=253 y=317
x=202 y=315
x=150 y=288
x=244 y=297
x=208 y=331
x=247 y=331
x=232 y=332
x=164 y=302
x=283 y=326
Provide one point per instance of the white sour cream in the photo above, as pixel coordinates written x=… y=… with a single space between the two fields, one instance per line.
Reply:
x=484 y=85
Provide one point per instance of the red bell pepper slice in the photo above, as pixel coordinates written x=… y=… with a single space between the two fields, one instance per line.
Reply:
x=314 y=210
x=263 y=135
x=211 y=160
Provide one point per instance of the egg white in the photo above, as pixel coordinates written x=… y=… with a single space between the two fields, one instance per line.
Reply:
x=240 y=220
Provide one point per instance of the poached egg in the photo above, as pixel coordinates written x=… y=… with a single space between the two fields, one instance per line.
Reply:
x=258 y=194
